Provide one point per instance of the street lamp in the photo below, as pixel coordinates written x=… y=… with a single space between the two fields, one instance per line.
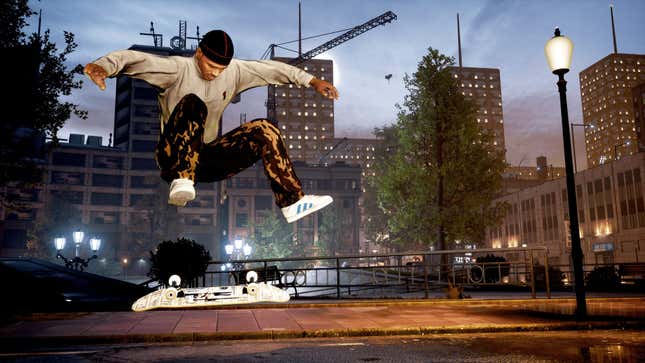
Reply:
x=626 y=143
x=236 y=252
x=77 y=263
x=558 y=52
x=573 y=142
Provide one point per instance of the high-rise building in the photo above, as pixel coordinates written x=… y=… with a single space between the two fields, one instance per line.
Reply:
x=306 y=118
x=638 y=95
x=136 y=109
x=608 y=108
x=484 y=87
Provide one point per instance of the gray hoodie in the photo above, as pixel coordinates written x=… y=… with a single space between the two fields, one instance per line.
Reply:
x=177 y=76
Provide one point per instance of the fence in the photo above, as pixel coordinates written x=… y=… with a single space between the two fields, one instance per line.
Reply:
x=386 y=275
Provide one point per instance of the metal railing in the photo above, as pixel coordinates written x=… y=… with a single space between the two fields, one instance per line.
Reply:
x=388 y=275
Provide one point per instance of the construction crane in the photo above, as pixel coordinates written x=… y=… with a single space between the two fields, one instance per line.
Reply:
x=382 y=19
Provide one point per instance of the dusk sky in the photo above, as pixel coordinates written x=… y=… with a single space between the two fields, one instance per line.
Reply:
x=509 y=35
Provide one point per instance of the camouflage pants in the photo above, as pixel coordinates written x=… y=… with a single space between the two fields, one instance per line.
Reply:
x=181 y=152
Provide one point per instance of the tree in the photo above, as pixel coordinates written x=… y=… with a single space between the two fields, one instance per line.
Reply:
x=32 y=106
x=273 y=237
x=154 y=221
x=59 y=218
x=438 y=172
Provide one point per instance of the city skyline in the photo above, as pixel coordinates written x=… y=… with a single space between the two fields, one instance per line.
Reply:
x=514 y=33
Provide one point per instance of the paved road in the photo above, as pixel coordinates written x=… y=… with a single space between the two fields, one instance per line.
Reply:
x=564 y=346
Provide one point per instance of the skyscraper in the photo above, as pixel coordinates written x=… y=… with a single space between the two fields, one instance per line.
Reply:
x=484 y=87
x=306 y=118
x=608 y=108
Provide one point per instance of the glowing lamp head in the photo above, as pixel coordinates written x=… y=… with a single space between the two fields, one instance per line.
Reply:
x=78 y=236
x=95 y=244
x=60 y=243
x=238 y=244
x=558 y=51
x=246 y=250
x=228 y=249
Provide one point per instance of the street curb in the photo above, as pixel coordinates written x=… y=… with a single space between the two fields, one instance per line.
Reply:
x=407 y=302
x=53 y=341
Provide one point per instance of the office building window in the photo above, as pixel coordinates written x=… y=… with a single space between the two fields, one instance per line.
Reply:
x=68 y=159
x=145 y=182
x=114 y=199
x=144 y=146
x=241 y=220
x=69 y=196
x=107 y=180
x=144 y=164
x=67 y=178
x=107 y=162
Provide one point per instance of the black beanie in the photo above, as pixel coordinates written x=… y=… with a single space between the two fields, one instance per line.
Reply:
x=217 y=46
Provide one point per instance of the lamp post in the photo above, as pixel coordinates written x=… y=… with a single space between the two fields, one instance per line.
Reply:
x=558 y=52
x=573 y=142
x=77 y=263
x=237 y=251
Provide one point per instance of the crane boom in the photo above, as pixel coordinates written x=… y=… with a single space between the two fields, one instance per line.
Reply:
x=382 y=19
x=352 y=33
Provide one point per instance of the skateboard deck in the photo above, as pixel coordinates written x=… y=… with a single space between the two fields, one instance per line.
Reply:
x=178 y=298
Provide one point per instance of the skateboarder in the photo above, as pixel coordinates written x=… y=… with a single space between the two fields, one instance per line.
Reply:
x=193 y=95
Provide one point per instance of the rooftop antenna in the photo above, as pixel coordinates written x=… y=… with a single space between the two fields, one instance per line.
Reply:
x=613 y=29
x=459 y=40
x=157 y=38
x=299 y=29
x=40 y=14
x=197 y=38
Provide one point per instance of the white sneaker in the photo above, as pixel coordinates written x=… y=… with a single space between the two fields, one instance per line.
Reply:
x=181 y=192
x=305 y=206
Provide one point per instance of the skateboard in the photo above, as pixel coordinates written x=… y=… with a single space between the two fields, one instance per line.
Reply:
x=175 y=297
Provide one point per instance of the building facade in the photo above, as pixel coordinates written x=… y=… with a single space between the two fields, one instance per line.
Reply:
x=607 y=106
x=611 y=215
x=484 y=87
x=306 y=118
x=638 y=96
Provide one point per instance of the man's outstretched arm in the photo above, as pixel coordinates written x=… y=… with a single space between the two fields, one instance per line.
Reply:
x=96 y=73
x=158 y=71
x=324 y=88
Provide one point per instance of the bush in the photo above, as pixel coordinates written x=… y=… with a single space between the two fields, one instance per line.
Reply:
x=490 y=268
x=556 y=278
x=183 y=257
x=603 y=278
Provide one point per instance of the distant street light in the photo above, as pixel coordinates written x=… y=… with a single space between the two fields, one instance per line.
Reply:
x=559 y=50
x=236 y=252
x=77 y=263
x=626 y=143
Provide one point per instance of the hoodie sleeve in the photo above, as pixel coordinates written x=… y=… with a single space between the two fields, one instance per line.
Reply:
x=157 y=70
x=264 y=72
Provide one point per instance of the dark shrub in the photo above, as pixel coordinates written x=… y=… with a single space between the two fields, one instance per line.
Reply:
x=603 y=278
x=183 y=257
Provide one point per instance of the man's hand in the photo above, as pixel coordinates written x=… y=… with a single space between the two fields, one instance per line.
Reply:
x=96 y=73
x=324 y=88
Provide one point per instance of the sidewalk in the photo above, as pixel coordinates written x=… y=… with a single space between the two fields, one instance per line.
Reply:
x=320 y=319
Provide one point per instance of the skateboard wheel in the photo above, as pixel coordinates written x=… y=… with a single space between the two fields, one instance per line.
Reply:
x=170 y=293
x=252 y=289
x=251 y=276
x=174 y=281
